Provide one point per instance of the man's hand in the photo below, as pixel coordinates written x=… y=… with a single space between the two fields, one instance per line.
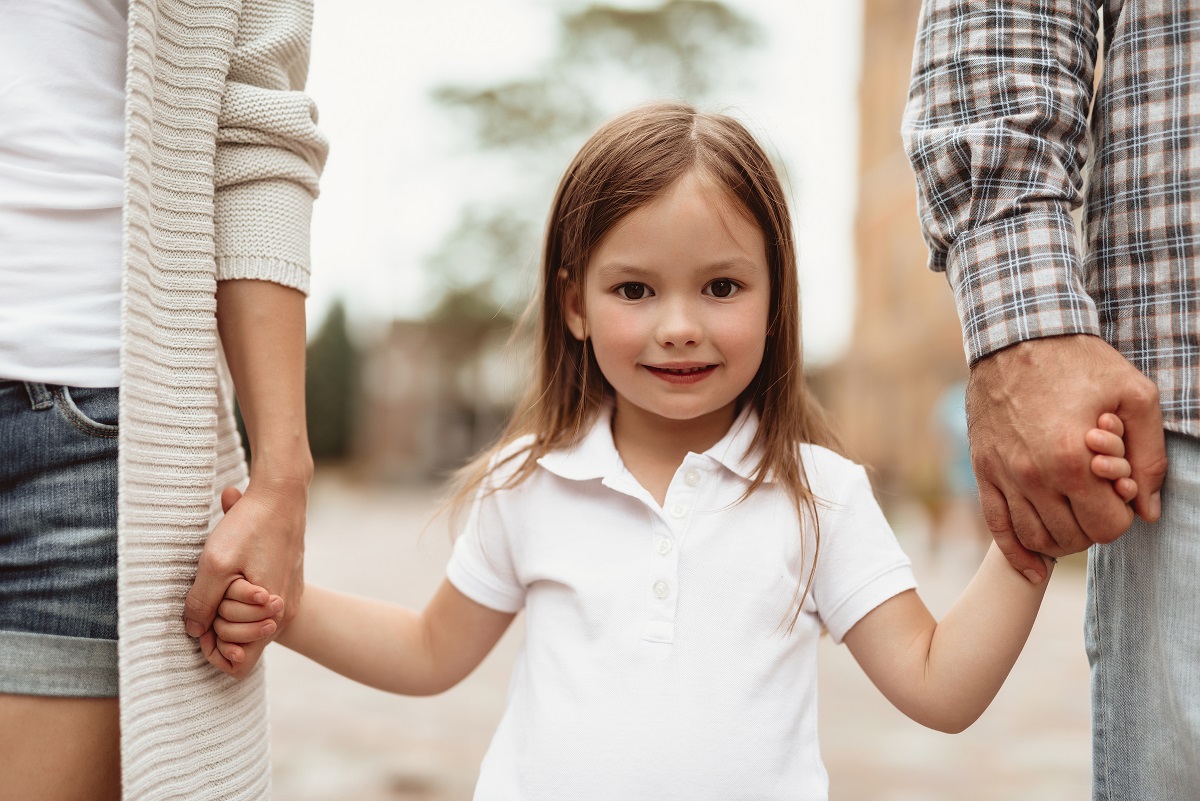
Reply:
x=261 y=539
x=1029 y=408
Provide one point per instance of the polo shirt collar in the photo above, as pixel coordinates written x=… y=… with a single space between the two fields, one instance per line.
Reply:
x=595 y=456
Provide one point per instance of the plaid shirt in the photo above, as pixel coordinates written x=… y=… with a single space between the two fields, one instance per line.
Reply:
x=997 y=131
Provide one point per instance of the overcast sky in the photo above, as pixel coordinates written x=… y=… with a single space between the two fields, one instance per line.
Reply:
x=396 y=177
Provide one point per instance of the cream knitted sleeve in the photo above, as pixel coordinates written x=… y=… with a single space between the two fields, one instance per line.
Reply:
x=269 y=150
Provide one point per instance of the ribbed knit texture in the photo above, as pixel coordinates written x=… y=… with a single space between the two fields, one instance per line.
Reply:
x=222 y=160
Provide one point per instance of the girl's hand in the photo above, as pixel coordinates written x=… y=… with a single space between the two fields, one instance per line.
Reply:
x=1109 y=462
x=247 y=614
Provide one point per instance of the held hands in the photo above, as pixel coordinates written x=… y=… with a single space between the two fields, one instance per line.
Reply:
x=259 y=543
x=246 y=615
x=1027 y=407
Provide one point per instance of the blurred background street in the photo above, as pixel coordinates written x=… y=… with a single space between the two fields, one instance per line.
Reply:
x=334 y=740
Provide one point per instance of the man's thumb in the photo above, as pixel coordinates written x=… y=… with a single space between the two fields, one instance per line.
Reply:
x=1146 y=449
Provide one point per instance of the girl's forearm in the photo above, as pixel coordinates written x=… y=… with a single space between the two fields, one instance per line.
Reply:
x=392 y=648
x=370 y=641
x=976 y=644
x=944 y=675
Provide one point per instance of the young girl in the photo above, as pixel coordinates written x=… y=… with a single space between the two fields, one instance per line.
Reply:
x=665 y=509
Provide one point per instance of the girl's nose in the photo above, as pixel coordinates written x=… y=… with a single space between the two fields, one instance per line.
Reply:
x=678 y=326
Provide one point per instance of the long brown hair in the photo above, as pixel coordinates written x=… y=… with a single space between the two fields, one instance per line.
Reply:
x=627 y=163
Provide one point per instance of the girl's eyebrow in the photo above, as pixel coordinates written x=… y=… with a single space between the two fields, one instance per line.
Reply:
x=618 y=269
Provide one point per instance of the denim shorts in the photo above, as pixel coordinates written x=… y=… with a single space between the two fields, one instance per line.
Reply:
x=58 y=540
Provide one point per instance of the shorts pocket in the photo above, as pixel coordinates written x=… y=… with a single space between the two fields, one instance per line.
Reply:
x=92 y=410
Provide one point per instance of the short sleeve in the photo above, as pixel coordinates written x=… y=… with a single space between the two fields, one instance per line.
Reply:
x=483 y=566
x=859 y=564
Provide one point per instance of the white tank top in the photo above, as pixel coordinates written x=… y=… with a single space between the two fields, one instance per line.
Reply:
x=62 y=131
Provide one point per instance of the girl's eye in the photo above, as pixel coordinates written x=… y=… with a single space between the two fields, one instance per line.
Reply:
x=633 y=291
x=722 y=288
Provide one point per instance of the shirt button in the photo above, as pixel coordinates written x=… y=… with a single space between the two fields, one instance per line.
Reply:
x=691 y=478
x=661 y=589
x=678 y=510
x=664 y=546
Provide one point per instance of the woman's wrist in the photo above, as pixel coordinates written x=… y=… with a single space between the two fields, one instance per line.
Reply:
x=284 y=463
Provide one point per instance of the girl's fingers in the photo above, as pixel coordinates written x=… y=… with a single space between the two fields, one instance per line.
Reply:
x=1110 y=467
x=1111 y=423
x=1105 y=443
x=233 y=653
x=247 y=593
x=1127 y=488
x=238 y=612
x=243 y=632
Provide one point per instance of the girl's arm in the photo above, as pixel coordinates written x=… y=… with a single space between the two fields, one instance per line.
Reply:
x=943 y=675
x=392 y=648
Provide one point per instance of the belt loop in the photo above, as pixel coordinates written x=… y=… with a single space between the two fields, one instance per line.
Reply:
x=39 y=395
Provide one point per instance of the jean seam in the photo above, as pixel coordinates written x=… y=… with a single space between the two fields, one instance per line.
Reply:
x=1099 y=724
x=40 y=397
x=77 y=418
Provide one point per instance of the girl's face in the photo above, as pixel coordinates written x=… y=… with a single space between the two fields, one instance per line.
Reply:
x=675 y=301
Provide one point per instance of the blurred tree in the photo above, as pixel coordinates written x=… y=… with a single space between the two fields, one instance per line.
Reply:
x=331 y=386
x=606 y=58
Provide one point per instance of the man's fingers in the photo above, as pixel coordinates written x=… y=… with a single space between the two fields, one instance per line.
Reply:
x=995 y=514
x=1045 y=524
x=1145 y=447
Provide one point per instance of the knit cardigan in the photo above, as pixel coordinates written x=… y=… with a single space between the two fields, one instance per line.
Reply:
x=222 y=157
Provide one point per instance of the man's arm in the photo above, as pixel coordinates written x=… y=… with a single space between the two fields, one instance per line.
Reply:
x=996 y=129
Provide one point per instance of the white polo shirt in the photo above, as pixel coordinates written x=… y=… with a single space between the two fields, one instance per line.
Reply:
x=656 y=662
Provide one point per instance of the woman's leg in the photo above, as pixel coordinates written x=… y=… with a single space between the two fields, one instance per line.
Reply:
x=59 y=724
x=60 y=749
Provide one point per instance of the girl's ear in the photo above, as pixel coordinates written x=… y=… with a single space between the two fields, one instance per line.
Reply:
x=573 y=307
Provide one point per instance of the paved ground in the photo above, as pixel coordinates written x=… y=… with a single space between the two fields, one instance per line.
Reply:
x=337 y=741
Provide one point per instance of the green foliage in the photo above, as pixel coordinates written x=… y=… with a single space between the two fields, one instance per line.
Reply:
x=331 y=386
x=683 y=43
x=604 y=53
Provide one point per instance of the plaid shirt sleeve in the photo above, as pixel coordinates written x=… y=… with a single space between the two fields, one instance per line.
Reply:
x=996 y=130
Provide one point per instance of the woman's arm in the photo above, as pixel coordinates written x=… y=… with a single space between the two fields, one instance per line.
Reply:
x=262 y=331
x=944 y=675
x=392 y=648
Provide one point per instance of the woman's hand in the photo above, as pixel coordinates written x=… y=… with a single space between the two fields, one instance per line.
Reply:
x=260 y=539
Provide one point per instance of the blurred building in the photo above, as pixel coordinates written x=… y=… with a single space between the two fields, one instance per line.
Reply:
x=434 y=393
x=906 y=348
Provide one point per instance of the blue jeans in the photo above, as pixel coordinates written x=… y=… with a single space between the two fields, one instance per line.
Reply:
x=1143 y=642
x=58 y=540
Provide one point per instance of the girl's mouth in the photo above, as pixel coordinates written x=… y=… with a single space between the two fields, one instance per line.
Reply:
x=687 y=374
